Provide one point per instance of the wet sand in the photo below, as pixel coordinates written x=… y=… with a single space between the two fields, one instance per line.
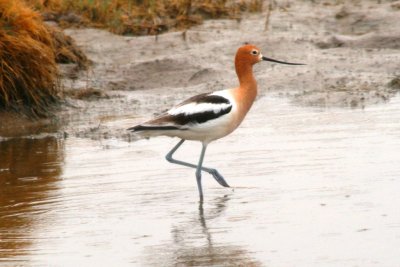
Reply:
x=313 y=168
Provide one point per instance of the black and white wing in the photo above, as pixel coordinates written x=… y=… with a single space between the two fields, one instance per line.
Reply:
x=196 y=110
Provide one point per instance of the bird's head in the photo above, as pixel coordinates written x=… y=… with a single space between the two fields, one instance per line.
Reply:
x=251 y=54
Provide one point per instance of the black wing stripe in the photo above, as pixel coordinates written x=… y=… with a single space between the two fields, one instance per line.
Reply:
x=206 y=98
x=213 y=99
x=139 y=128
x=182 y=119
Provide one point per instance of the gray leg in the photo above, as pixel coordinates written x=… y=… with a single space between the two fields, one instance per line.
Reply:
x=217 y=176
x=198 y=171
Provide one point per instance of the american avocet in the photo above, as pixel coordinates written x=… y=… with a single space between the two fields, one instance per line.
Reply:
x=210 y=116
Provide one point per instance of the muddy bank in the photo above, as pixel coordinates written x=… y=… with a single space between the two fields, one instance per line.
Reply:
x=351 y=52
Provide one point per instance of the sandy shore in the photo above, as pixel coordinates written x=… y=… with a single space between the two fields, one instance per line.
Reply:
x=351 y=52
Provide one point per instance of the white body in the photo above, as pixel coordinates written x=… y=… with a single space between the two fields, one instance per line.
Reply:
x=204 y=132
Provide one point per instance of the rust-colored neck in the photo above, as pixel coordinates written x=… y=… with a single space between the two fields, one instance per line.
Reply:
x=246 y=93
x=244 y=71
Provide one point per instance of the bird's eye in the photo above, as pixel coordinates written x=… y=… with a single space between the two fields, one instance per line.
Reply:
x=254 y=52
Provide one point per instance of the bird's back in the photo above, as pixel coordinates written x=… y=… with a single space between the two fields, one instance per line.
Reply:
x=203 y=117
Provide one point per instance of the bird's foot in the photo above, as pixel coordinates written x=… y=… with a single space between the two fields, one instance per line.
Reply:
x=218 y=177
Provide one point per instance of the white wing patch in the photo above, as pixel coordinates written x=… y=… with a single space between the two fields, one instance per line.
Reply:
x=194 y=108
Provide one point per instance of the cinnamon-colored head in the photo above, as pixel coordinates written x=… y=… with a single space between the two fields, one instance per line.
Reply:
x=248 y=54
x=246 y=57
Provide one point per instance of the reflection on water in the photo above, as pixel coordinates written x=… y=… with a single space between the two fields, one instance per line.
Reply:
x=192 y=242
x=29 y=170
x=313 y=187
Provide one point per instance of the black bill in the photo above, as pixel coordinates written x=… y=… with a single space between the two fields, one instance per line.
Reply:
x=281 y=62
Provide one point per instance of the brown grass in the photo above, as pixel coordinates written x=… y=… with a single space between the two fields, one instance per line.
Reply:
x=86 y=94
x=141 y=17
x=28 y=81
x=29 y=51
x=66 y=50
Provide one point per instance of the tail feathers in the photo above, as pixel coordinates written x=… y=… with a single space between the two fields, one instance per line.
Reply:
x=140 y=128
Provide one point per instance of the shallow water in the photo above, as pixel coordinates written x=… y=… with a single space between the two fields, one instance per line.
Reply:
x=311 y=187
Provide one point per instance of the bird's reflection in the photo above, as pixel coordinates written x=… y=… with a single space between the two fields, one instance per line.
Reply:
x=199 y=241
x=220 y=206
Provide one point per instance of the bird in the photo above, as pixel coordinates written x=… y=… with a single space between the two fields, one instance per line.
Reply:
x=209 y=116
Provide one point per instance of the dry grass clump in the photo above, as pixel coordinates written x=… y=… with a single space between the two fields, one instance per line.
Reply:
x=29 y=51
x=66 y=50
x=86 y=94
x=28 y=80
x=141 y=17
